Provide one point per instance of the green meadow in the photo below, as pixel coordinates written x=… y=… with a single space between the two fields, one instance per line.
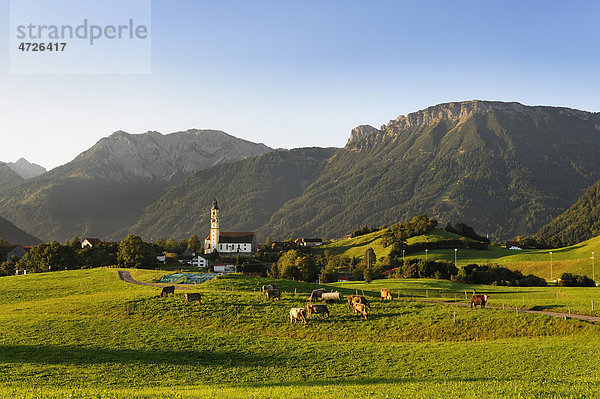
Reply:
x=576 y=259
x=87 y=334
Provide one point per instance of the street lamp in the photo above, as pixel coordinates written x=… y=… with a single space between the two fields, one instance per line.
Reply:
x=426 y=254
x=455 y=251
x=593 y=268
x=403 y=255
x=551 y=279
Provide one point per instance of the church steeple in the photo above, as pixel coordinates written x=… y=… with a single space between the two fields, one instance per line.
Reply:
x=214 y=227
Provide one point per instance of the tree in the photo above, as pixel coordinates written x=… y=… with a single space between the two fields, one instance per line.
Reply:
x=8 y=267
x=307 y=268
x=287 y=265
x=194 y=244
x=133 y=252
x=49 y=256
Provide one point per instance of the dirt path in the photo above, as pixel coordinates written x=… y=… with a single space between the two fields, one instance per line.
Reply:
x=542 y=312
x=126 y=276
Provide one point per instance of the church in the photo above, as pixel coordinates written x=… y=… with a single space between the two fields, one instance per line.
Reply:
x=226 y=242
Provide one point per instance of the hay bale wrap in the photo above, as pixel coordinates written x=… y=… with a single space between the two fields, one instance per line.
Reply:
x=331 y=296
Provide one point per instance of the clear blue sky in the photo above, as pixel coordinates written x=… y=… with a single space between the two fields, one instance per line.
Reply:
x=293 y=74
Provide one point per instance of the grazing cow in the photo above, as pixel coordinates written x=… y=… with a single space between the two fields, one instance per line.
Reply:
x=298 y=314
x=271 y=286
x=330 y=297
x=316 y=294
x=273 y=293
x=317 y=309
x=478 y=300
x=358 y=299
x=170 y=289
x=192 y=296
x=386 y=295
x=359 y=308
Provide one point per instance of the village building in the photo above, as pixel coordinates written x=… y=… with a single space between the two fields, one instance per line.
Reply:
x=90 y=242
x=226 y=242
x=9 y=251
x=309 y=242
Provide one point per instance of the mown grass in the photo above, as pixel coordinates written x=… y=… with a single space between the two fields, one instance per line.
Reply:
x=112 y=339
x=575 y=259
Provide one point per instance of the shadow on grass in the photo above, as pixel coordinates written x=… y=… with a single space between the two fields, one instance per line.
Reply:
x=545 y=307
x=73 y=355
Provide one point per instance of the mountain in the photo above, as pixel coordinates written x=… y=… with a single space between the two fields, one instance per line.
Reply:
x=106 y=188
x=26 y=169
x=249 y=192
x=504 y=168
x=578 y=223
x=8 y=177
x=14 y=235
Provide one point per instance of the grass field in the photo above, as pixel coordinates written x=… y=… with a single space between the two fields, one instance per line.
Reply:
x=575 y=259
x=86 y=334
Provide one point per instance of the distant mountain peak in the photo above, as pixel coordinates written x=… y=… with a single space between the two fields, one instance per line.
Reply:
x=26 y=169
x=360 y=132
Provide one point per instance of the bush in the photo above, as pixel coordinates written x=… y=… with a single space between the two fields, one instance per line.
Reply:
x=496 y=275
x=574 y=280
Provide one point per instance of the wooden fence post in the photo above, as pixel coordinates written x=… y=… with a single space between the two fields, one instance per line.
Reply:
x=455 y=317
x=466 y=295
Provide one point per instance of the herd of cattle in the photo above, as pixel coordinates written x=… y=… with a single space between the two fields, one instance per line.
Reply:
x=357 y=304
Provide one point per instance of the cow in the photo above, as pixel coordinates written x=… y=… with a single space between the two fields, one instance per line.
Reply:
x=298 y=314
x=317 y=309
x=316 y=294
x=170 y=289
x=478 y=300
x=359 y=308
x=273 y=293
x=358 y=299
x=192 y=296
x=329 y=297
x=271 y=286
x=386 y=295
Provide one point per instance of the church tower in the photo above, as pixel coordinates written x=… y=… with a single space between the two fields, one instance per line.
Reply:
x=214 y=226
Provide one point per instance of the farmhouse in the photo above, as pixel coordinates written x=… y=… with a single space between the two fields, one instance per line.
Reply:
x=309 y=242
x=226 y=242
x=9 y=251
x=90 y=242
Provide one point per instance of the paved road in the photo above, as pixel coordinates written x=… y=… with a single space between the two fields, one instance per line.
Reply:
x=542 y=312
x=126 y=276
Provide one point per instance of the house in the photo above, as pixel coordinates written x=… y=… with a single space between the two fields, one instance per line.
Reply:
x=223 y=268
x=13 y=250
x=199 y=261
x=309 y=242
x=227 y=242
x=90 y=242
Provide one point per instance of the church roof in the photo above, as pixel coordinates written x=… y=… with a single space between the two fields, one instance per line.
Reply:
x=235 y=237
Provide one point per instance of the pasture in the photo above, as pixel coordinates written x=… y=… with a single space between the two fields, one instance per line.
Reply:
x=575 y=259
x=86 y=334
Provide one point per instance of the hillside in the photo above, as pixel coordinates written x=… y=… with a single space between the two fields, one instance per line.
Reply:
x=8 y=177
x=576 y=259
x=249 y=192
x=503 y=168
x=578 y=223
x=14 y=235
x=107 y=187
x=85 y=333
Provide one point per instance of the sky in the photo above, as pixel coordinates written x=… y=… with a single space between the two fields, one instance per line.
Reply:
x=297 y=74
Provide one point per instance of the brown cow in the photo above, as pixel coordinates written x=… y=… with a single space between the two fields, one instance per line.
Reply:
x=192 y=296
x=357 y=299
x=170 y=289
x=317 y=309
x=273 y=293
x=359 y=308
x=478 y=300
x=386 y=295
x=298 y=314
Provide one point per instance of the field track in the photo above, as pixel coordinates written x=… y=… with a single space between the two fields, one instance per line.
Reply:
x=546 y=313
x=126 y=276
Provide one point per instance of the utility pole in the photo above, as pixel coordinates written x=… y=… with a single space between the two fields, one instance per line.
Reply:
x=593 y=269
x=426 y=255
x=551 y=279
x=455 y=254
